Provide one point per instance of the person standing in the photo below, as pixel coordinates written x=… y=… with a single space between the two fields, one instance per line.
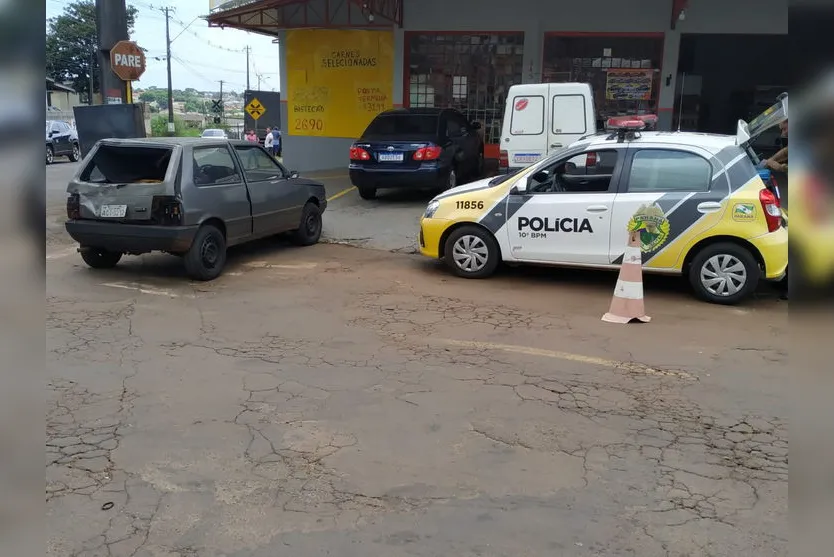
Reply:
x=276 y=143
x=268 y=142
x=250 y=136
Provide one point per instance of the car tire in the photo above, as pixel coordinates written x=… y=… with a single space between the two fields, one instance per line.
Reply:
x=206 y=257
x=724 y=273
x=309 y=230
x=50 y=154
x=367 y=192
x=472 y=252
x=98 y=258
x=75 y=155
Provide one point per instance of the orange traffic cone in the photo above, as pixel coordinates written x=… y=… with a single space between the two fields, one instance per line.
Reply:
x=627 y=304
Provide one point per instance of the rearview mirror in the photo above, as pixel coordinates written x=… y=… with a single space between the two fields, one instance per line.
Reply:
x=293 y=174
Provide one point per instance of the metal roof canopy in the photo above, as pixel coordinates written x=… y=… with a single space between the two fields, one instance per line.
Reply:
x=269 y=17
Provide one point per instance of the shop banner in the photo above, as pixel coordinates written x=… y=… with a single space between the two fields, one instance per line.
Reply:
x=337 y=81
x=629 y=85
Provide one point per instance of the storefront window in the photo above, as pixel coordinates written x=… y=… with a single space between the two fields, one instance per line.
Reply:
x=624 y=72
x=471 y=73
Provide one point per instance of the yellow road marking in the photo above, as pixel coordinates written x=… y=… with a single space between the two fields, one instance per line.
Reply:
x=341 y=193
x=632 y=367
x=331 y=177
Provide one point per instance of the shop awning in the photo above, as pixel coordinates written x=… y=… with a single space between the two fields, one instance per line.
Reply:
x=268 y=17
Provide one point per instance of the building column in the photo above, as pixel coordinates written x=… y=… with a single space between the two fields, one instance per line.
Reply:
x=397 y=92
x=282 y=82
x=668 y=80
x=532 y=58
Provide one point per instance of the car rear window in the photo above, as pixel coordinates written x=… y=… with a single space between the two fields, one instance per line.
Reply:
x=123 y=164
x=402 y=125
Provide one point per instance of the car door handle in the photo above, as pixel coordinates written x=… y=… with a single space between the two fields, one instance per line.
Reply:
x=709 y=207
x=555 y=145
x=597 y=208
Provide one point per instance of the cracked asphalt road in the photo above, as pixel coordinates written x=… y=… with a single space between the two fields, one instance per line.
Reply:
x=334 y=400
x=342 y=401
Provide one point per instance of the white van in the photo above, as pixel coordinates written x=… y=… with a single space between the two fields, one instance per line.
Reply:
x=543 y=117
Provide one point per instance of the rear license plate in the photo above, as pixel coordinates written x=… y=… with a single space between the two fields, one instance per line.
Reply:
x=390 y=157
x=113 y=211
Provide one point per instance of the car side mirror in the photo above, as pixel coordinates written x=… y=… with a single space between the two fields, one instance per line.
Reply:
x=518 y=189
x=52 y=133
x=293 y=174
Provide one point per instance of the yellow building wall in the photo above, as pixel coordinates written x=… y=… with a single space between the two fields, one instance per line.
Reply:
x=337 y=81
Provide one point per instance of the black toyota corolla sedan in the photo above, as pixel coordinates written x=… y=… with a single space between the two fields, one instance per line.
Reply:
x=416 y=148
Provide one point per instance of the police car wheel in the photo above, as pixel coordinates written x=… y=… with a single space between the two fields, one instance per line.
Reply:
x=724 y=273
x=472 y=252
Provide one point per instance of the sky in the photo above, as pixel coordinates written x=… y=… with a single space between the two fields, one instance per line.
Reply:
x=200 y=56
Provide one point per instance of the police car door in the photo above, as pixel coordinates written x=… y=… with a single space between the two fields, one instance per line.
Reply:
x=665 y=190
x=563 y=213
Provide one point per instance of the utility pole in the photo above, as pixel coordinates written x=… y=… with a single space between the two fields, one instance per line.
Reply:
x=171 y=127
x=222 y=105
x=111 y=27
x=248 y=48
x=92 y=65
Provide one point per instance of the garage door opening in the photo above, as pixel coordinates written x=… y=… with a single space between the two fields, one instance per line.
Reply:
x=722 y=78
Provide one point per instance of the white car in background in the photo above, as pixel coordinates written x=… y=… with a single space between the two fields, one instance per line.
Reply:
x=214 y=134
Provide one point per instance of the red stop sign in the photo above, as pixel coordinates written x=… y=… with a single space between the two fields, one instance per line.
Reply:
x=127 y=60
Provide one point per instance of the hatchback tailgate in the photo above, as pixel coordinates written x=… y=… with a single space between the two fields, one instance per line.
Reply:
x=120 y=180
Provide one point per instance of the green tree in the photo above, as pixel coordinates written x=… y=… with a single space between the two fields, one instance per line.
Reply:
x=72 y=41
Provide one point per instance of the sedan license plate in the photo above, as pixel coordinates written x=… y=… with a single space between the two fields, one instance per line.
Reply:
x=390 y=157
x=113 y=211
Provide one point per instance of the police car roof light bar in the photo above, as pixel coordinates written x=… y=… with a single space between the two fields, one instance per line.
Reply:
x=627 y=129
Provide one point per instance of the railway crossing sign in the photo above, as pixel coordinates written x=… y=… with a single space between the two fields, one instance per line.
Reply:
x=217 y=106
x=255 y=109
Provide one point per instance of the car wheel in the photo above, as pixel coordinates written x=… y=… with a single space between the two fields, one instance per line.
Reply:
x=50 y=154
x=472 y=252
x=309 y=231
x=724 y=273
x=367 y=192
x=98 y=258
x=76 y=153
x=206 y=257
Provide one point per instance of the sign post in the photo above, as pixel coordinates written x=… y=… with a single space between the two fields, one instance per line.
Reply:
x=128 y=62
x=255 y=110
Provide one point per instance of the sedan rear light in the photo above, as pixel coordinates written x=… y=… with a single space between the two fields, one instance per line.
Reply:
x=359 y=154
x=772 y=209
x=503 y=159
x=73 y=206
x=166 y=210
x=430 y=153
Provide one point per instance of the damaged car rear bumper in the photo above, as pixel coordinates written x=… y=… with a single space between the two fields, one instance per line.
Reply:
x=131 y=238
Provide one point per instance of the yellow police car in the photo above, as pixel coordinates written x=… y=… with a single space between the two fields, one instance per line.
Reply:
x=698 y=201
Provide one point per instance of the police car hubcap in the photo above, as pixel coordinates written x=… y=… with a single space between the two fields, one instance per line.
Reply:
x=723 y=275
x=470 y=253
